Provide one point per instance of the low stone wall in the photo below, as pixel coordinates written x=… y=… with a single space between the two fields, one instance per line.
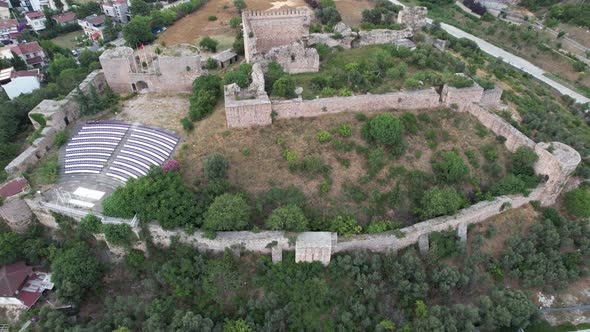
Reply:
x=491 y=98
x=295 y=108
x=58 y=113
x=381 y=36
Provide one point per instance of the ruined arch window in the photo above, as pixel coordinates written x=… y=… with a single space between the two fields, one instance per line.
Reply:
x=292 y=57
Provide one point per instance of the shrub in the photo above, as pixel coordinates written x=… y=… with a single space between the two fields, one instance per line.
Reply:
x=440 y=202
x=49 y=171
x=386 y=129
x=345 y=226
x=314 y=164
x=324 y=136
x=215 y=166
x=288 y=218
x=376 y=161
x=284 y=87
x=211 y=64
x=91 y=224
x=345 y=130
x=60 y=138
x=449 y=167
x=187 y=124
x=209 y=44
x=119 y=235
x=235 y=21
x=273 y=73
x=353 y=192
x=411 y=83
x=410 y=122
x=212 y=18
x=380 y=226
x=522 y=161
x=510 y=184
x=489 y=152
x=577 y=202
x=290 y=156
x=227 y=213
x=240 y=76
x=135 y=258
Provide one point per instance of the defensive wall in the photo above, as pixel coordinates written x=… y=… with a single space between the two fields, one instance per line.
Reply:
x=57 y=114
x=172 y=70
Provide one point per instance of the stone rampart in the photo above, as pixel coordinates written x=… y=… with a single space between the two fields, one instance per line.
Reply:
x=413 y=17
x=249 y=107
x=382 y=36
x=294 y=108
x=462 y=98
x=58 y=114
x=491 y=98
x=295 y=58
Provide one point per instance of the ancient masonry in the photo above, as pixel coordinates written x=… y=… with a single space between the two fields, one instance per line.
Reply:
x=283 y=36
x=154 y=70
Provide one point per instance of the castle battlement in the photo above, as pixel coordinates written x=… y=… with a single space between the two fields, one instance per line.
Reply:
x=258 y=14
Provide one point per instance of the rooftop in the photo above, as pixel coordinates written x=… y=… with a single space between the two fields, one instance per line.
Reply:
x=26 y=48
x=224 y=55
x=7 y=24
x=65 y=17
x=13 y=187
x=4 y=4
x=33 y=15
x=94 y=19
x=12 y=277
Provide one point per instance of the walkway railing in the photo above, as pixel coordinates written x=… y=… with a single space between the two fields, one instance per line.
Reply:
x=82 y=213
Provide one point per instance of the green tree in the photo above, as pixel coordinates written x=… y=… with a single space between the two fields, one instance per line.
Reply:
x=138 y=31
x=240 y=5
x=227 y=213
x=118 y=234
x=140 y=8
x=440 y=202
x=209 y=44
x=215 y=166
x=577 y=202
x=87 y=58
x=449 y=167
x=386 y=129
x=239 y=325
x=90 y=224
x=10 y=247
x=523 y=160
x=110 y=30
x=75 y=271
x=284 y=87
x=273 y=73
x=288 y=218
x=59 y=64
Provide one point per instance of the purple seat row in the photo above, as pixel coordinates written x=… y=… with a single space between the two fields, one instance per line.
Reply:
x=143 y=147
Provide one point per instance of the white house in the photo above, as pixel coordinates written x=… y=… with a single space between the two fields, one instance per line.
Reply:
x=4 y=10
x=8 y=30
x=36 y=20
x=117 y=9
x=93 y=26
x=18 y=82
x=40 y=5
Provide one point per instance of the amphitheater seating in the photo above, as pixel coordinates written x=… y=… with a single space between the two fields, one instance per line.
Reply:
x=90 y=149
x=145 y=148
x=94 y=145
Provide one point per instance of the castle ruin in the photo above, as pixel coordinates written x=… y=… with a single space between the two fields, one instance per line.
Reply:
x=149 y=69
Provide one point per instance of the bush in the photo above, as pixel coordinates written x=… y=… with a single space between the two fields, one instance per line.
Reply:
x=577 y=202
x=284 y=87
x=273 y=73
x=345 y=130
x=449 y=167
x=288 y=218
x=440 y=202
x=49 y=171
x=522 y=161
x=380 y=226
x=235 y=21
x=290 y=156
x=410 y=122
x=509 y=185
x=489 y=152
x=212 y=18
x=209 y=44
x=376 y=161
x=345 y=226
x=187 y=124
x=324 y=136
x=211 y=64
x=386 y=129
x=215 y=166
x=119 y=235
x=240 y=76
x=227 y=213
x=91 y=224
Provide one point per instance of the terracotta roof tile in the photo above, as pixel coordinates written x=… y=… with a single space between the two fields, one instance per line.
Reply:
x=26 y=48
x=33 y=15
x=12 y=277
x=13 y=187
x=65 y=17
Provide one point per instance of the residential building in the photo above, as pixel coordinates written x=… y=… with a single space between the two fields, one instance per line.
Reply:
x=4 y=10
x=40 y=5
x=36 y=20
x=22 y=285
x=65 y=19
x=18 y=82
x=8 y=30
x=31 y=53
x=117 y=9
x=93 y=26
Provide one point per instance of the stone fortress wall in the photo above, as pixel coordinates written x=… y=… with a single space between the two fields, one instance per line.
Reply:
x=173 y=70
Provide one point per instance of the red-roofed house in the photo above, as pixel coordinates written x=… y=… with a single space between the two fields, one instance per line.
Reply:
x=21 y=285
x=93 y=26
x=4 y=10
x=8 y=29
x=18 y=82
x=65 y=18
x=31 y=53
x=36 y=20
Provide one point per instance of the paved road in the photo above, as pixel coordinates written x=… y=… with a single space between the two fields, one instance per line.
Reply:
x=510 y=59
x=575 y=308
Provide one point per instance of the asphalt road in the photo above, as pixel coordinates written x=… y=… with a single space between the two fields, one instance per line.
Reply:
x=510 y=59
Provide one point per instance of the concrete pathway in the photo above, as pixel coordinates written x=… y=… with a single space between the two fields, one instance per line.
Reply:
x=510 y=59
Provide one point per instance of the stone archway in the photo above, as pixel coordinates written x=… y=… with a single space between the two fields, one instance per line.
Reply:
x=141 y=85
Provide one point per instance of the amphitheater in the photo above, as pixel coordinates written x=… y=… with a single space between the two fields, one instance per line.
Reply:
x=103 y=155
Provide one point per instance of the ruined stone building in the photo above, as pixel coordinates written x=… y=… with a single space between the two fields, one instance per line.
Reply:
x=149 y=69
